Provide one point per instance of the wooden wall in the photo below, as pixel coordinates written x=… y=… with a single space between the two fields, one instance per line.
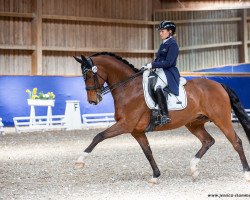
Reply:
x=203 y=5
x=207 y=38
x=210 y=32
x=247 y=35
x=39 y=37
x=15 y=32
x=121 y=9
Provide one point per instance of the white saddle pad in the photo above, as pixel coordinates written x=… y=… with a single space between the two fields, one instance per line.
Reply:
x=174 y=102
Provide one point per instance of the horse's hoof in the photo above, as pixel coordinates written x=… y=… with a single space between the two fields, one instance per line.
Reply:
x=247 y=176
x=195 y=174
x=153 y=181
x=193 y=166
x=79 y=165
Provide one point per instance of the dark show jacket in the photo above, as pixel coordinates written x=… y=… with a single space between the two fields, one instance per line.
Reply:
x=166 y=59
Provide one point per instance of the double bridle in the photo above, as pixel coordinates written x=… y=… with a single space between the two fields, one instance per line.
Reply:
x=97 y=86
x=91 y=68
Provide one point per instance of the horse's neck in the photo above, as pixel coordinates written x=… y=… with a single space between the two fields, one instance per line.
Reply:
x=115 y=77
x=120 y=84
x=116 y=70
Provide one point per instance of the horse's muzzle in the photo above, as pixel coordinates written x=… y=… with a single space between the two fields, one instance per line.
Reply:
x=93 y=102
x=98 y=100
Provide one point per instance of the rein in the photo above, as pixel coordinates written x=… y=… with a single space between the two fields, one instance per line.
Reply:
x=108 y=89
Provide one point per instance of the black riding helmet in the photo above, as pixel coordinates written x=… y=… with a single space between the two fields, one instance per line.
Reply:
x=167 y=25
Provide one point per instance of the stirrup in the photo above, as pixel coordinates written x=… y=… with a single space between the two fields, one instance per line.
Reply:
x=165 y=119
x=162 y=119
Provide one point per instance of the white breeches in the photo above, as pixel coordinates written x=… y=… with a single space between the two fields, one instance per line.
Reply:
x=161 y=79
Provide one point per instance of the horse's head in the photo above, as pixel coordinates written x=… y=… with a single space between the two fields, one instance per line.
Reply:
x=93 y=78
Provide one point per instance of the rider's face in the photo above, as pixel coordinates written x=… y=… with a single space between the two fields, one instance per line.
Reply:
x=164 y=33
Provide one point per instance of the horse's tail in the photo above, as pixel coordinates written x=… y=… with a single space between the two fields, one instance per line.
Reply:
x=239 y=110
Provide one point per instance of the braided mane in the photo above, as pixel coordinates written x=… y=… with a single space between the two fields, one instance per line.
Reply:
x=118 y=58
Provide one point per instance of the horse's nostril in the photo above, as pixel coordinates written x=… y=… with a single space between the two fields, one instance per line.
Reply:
x=93 y=102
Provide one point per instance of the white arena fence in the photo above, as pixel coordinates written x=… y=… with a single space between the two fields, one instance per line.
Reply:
x=39 y=123
x=107 y=119
x=57 y=122
x=1 y=127
x=98 y=120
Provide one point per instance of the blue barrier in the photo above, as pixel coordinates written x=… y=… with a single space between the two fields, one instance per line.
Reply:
x=241 y=85
x=245 y=67
x=13 y=98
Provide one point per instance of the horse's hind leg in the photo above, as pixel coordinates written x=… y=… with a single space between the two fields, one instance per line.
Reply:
x=207 y=141
x=143 y=142
x=227 y=128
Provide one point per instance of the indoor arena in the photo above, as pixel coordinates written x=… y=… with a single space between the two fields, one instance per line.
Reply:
x=124 y=99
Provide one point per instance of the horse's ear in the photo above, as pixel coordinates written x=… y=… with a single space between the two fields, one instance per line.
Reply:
x=84 y=59
x=78 y=59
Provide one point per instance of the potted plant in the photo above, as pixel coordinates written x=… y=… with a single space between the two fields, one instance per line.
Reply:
x=40 y=99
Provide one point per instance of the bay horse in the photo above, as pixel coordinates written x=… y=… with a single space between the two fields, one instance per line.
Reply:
x=207 y=101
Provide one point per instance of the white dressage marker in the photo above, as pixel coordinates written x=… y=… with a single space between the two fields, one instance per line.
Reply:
x=1 y=127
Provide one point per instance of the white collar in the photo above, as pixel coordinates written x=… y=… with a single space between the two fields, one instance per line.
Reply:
x=166 y=39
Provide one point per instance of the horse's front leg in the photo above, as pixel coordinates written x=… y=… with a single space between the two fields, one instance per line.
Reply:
x=116 y=129
x=143 y=141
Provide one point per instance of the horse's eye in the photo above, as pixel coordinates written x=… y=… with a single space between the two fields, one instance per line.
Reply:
x=85 y=74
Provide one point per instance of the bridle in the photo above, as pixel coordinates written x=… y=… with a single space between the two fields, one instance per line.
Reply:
x=90 y=67
x=97 y=86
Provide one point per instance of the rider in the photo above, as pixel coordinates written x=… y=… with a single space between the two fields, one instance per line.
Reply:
x=166 y=61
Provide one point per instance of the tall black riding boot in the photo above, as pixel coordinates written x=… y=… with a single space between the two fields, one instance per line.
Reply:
x=161 y=100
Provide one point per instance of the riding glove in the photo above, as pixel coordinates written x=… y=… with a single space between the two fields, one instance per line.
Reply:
x=148 y=66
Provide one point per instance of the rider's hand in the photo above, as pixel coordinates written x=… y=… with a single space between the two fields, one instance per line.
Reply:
x=148 y=66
